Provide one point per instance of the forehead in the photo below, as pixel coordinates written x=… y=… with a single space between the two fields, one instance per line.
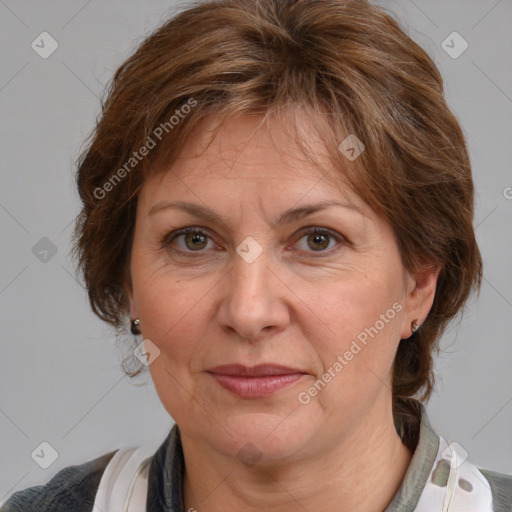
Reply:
x=251 y=141
x=252 y=153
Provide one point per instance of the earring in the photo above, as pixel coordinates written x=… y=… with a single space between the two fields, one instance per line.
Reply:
x=135 y=326
x=414 y=326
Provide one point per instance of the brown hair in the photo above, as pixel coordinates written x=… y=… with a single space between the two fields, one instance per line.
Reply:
x=345 y=60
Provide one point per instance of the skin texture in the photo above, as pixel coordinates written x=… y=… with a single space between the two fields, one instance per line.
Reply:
x=301 y=303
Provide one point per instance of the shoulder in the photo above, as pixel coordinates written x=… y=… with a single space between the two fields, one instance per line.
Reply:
x=501 y=488
x=442 y=477
x=72 y=488
x=459 y=484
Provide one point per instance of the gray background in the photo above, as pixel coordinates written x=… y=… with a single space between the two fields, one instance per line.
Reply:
x=60 y=378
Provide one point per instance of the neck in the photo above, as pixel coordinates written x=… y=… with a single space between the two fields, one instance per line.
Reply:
x=361 y=472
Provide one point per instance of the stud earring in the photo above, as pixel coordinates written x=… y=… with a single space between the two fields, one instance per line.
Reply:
x=135 y=326
x=414 y=326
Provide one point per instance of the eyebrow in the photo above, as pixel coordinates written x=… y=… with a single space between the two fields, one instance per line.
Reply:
x=287 y=217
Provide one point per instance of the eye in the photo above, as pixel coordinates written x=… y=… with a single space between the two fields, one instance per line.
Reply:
x=194 y=240
x=188 y=240
x=318 y=240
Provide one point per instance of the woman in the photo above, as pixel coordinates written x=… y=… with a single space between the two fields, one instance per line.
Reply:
x=279 y=202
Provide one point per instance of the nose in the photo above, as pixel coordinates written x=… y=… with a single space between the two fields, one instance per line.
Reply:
x=254 y=302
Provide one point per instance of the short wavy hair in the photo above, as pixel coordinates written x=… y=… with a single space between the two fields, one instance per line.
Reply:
x=349 y=64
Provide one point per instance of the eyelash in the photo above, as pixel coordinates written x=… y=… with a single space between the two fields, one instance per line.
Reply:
x=171 y=237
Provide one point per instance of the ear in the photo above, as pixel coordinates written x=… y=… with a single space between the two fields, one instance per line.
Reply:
x=421 y=290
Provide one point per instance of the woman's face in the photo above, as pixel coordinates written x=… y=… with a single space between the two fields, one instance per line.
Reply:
x=256 y=287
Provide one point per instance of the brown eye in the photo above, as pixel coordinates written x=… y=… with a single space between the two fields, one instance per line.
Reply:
x=318 y=241
x=187 y=240
x=195 y=241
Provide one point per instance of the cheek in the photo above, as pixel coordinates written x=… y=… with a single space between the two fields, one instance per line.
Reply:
x=351 y=308
x=172 y=316
x=168 y=305
x=362 y=320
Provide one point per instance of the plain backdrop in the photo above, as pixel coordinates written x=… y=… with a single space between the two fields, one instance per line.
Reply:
x=60 y=381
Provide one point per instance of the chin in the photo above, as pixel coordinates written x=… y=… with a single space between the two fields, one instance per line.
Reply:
x=264 y=438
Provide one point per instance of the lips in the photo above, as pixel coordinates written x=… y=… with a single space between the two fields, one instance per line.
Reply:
x=255 y=381
x=261 y=370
